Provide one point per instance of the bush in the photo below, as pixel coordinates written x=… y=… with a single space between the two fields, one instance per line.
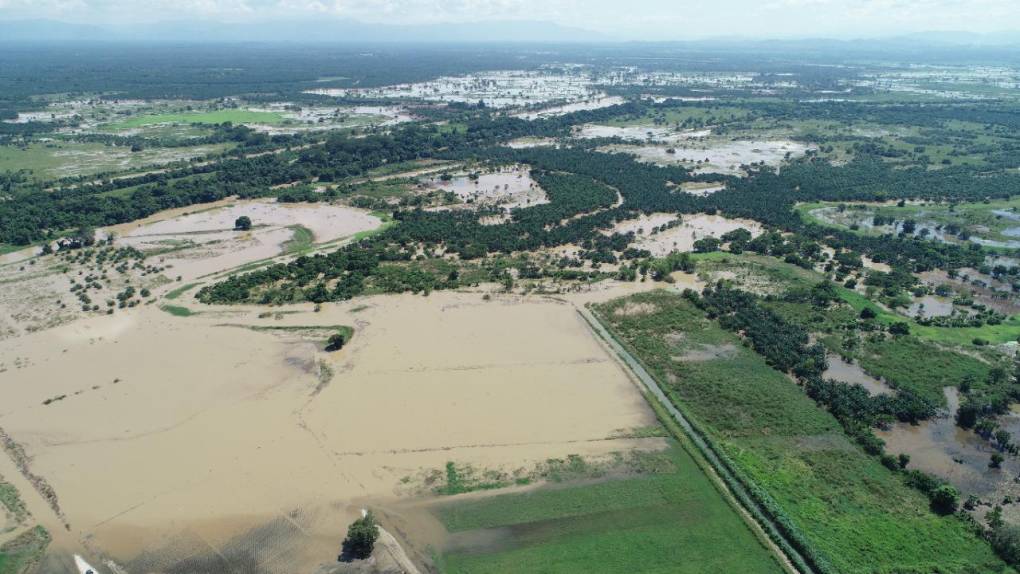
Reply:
x=945 y=499
x=361 y=537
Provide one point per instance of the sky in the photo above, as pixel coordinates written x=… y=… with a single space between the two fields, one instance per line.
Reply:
x=621 y=19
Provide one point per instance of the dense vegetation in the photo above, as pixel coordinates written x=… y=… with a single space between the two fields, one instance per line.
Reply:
x=777 y=438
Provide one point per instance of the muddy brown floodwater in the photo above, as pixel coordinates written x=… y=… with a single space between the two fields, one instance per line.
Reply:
x=853 y=374
x=197 y=444
x=941 y=448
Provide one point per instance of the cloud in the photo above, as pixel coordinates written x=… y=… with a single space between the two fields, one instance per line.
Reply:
x=634 y=19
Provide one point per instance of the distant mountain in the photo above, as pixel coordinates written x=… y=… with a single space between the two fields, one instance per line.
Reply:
x=327 y=30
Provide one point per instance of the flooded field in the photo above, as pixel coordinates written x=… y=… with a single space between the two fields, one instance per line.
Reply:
x=680 y=237
x=852 y=374
x=930 y=306
x=651 y=134
x=240 y=435
x=509 y=187
x=497 y=89
x=309 y=118
x=940 y=447
x=181 y=244
x=723 y=157
x=204 y=241
x=602 y=101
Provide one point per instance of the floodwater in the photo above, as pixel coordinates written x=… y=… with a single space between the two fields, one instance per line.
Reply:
x=213 y=244
x=510 y=187
x=656 y=134
x=499 y=89
x=853 y=374
x=682 y=237
x=602 y=101
x=930 y=306
x=186 y=443
x=940 y=447
x=724 y=157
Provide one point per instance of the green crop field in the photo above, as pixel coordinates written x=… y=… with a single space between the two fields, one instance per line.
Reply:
x=68 y=159
x=857 y=514
x=669 y=520
x=210 y=117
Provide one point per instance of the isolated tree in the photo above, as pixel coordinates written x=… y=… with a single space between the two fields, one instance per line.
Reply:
x=868 y=313
x=242 y=223
x=996 y=461
x=336 y=342
x=361 y=537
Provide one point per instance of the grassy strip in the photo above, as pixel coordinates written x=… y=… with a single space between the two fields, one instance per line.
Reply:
x=10 y=500
x=302 y=239
x=178 y=311
x=176 y=293
x=210 y=117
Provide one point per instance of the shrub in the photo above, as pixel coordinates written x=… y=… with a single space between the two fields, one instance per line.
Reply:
x=361 y=537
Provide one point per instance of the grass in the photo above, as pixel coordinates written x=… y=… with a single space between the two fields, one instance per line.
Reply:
x=668 y=520
x=853 y=511
x=176 y=293
x=301 y=240
x=1008 y=330
x=19 y=555
x=10 y=500
x=178 y=311
x=209 y=117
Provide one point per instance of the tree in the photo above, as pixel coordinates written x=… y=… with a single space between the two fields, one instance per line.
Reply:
x=336 y=342
x=706 y=245
x=85 y=236
x=242 y=223
x=996 y=461
x=945 y=499
x=900 y=328
x=361 y=537
x=868 y=313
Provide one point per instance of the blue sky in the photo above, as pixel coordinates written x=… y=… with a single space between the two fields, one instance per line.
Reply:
x=624 y=19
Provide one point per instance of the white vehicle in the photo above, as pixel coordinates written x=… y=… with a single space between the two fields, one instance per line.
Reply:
x=83 y=566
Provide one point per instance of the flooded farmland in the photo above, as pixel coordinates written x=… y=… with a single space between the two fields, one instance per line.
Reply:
x=236 y=435
x=507 y=187
x=680 y=237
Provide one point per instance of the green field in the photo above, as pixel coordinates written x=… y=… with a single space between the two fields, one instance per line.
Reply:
x=209 y=117
x=67 y=159
x=669 y=520
x=857 y=514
